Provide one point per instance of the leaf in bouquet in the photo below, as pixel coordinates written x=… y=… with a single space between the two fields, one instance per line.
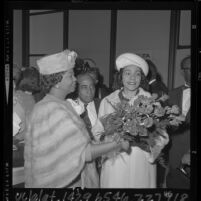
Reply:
x=142 y=144
x=152 y=139
x=167 y=109
x=141 y=100
x=146 y=101
x=125 y=107
x=181 y=118
x=142 y=131
x=128 y=136
x=160 y=132
x=141 y=110
x=145 y=147
x=131 y=138
x=164 y=123
x=110 y=131
x=174 y=122
x=129 y=116
x=130 y=127
x=104 y=119
x=133 y=132
x=141 y=97
x=157 y=104
x=114 y=106
x=139 y=141
x=136 y=103
x=110 y=123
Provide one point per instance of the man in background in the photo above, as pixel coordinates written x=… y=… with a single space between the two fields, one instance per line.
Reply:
x=86 y=105
x=179 y=152
x=156 y=84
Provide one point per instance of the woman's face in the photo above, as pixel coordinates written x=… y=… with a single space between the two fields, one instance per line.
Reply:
x=68 y=81
x=131 y=77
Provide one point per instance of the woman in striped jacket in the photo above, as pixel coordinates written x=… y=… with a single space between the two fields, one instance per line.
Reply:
x=57 y=145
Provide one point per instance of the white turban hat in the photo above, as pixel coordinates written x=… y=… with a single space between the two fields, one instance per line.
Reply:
x=127 y=59
x=56 y=63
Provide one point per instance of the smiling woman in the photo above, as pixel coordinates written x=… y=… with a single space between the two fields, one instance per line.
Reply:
x=131 y=77
x=136 y=168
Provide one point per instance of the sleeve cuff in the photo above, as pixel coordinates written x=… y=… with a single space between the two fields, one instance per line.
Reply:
x=88 y=155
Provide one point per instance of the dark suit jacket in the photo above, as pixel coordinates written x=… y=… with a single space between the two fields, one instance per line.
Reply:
x=179 y=142
x=158 y=87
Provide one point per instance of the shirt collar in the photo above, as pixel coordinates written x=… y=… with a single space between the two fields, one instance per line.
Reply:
x=82 y=103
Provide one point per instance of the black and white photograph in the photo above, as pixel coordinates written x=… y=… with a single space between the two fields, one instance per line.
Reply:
x=100 y=97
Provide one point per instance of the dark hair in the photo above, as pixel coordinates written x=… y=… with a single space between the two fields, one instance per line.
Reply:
x=184 y=61
x=117 y=84
x=29 y=80
x=153 y=74
x=48 y=81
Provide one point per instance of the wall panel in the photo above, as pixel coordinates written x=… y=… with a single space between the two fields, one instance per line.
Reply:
x=145 y=31
x=89 y=35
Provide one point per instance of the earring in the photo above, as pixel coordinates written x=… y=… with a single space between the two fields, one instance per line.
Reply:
x=56 y=86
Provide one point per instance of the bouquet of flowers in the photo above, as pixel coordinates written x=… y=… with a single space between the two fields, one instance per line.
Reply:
x=142 y=122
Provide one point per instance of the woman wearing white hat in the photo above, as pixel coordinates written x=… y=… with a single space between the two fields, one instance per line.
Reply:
x=135 y=169
x=57 y=144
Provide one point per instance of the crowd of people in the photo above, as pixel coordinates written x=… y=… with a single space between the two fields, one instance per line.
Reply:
x=57 y=111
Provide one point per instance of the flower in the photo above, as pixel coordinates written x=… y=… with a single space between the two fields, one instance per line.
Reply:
x=142 y=122
x=148 y=122
x=175 y=109
x=159 y=111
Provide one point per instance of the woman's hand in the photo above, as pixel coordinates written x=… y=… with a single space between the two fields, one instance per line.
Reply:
x=186 y=159
x=125 y=145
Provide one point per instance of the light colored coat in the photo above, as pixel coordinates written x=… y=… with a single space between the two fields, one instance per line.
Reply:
x=55 y=145
x=133 y=170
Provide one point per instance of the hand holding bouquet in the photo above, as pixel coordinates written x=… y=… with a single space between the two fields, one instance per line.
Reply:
x=142 y=122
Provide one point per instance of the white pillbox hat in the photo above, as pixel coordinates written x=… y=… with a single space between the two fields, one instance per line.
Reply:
x=127 y=59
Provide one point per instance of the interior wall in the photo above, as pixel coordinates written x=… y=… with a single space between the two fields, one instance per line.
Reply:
x=145 y=31
x=139 y=31
x=89 y=35
x=184 y=40
x=17 y=37
x=46 y=35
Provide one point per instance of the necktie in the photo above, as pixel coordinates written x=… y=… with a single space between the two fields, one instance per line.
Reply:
x=87 y=121
x=186 y=87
